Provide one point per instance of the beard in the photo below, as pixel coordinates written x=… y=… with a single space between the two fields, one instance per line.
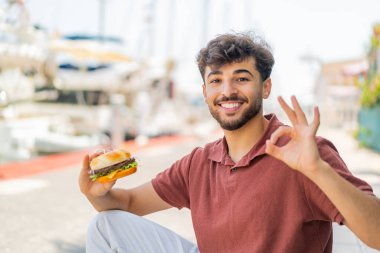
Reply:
x=246 y=116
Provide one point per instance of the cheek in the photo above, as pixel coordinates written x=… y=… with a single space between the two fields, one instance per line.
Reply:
x=254 y=93
x=210 y=95
x=209 y=100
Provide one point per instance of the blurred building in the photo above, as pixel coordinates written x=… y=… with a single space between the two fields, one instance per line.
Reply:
x=337 y=91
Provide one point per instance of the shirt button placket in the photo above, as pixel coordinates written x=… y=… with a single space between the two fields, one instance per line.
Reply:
x=232 y=178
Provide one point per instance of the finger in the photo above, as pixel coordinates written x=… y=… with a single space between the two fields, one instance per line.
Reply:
x=301 y=118
x=289 y=111
x=97 y=152
x=281 y=131
x=316 y=122
x=85 y=167
x=109 y=185
x=273 y=150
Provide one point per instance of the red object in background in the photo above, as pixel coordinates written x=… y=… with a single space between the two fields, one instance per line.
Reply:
x=67 y=160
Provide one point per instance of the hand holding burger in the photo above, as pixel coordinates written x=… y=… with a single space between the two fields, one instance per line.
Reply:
x=99 y=173
x=112 y=165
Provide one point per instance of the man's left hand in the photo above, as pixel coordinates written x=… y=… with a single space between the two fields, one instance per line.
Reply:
x=301 y=152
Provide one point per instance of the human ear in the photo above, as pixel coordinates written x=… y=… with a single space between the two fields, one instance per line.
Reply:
x=267 y=87
x=204 y=92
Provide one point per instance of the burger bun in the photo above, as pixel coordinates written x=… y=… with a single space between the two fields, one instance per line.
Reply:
x=109 y=159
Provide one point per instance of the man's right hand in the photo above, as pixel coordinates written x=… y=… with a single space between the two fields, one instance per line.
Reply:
x=89 y=187
x=140 y=200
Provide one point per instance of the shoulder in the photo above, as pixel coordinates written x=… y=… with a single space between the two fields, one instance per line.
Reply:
x=211 y=146
x=207 y=151
x=329 y=153
x=324 y=143
x=201 y=153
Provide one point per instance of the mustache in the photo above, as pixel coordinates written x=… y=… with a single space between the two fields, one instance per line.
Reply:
x=230 y=98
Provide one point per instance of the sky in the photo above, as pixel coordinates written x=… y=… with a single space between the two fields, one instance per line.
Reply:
x=324 y=30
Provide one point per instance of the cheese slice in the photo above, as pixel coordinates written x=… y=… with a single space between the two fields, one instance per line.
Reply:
x=113 y=173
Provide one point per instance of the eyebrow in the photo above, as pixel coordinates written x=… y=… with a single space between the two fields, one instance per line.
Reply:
x=238 y=71
x=214 y=72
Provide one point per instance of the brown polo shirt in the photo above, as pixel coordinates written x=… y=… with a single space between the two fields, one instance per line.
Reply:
x=256 y=205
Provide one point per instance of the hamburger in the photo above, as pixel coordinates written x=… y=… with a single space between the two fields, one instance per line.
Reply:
x=112 y=165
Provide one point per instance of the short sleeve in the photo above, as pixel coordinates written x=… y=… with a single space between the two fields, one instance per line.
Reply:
x=321 y=207
x=172 y=185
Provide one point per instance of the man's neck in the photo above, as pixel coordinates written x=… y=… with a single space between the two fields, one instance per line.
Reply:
x=241 y=141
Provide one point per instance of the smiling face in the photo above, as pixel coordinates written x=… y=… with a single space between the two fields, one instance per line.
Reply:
x=234 y=93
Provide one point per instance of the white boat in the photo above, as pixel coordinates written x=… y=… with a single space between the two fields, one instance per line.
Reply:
x=78 y=81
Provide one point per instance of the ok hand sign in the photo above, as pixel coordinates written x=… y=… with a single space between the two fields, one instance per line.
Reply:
x=301 y=152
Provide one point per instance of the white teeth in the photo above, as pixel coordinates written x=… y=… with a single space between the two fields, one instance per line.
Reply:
x=230 y=105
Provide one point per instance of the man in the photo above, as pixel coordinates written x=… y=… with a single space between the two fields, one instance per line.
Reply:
x=263 y=187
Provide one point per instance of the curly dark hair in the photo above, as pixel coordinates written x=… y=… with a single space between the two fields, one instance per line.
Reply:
x=236 y=47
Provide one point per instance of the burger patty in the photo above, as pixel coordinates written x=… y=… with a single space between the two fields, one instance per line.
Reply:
x=111 y=168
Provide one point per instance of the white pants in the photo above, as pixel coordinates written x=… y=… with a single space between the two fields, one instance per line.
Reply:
x=122 y=232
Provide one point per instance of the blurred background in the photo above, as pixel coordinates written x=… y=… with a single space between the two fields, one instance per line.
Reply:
x=91 y=72
x=77 y=75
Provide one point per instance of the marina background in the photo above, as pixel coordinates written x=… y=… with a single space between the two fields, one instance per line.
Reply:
x=79 y=75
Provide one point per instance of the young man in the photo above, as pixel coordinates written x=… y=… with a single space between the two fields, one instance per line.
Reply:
x=263 y=187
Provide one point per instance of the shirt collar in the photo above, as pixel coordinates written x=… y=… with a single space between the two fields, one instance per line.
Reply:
x=219 y=151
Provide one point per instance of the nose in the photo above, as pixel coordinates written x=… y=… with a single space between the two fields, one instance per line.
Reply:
x=228 y=88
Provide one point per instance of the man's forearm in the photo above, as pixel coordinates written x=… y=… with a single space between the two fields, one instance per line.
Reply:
x=141 y=200
x=115 y=199
x=361 y=211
